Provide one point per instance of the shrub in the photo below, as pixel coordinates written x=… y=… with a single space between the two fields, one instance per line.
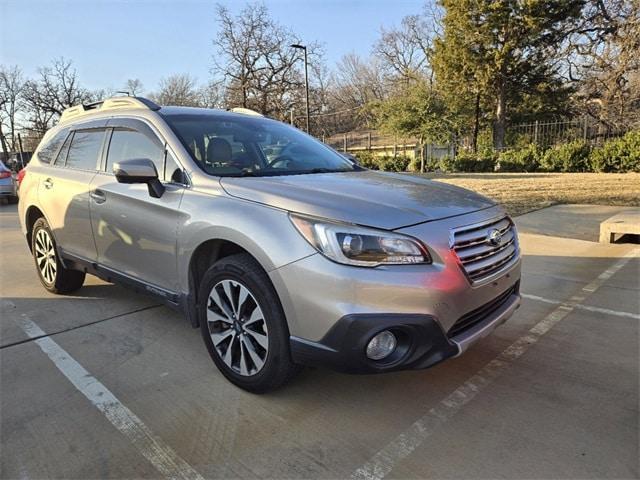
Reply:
x=367 y=160
x=568 y=157
x=394 y=164
x=388 y=163
x=469 y=162
x=523 y=160
x=446 y=164
x=618 y=155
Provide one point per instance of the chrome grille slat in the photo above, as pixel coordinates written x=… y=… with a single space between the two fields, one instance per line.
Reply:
x=478 y=235
x=481 y=251
x=478 y=257
x=487 y=262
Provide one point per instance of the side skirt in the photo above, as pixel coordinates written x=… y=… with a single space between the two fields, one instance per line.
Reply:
x=174 y=300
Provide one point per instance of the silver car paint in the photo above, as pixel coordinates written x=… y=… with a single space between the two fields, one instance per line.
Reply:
x=383 y=200
x=254 y=213
x=135 y=233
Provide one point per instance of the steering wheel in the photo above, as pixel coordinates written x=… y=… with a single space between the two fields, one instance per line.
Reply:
x=284 y=159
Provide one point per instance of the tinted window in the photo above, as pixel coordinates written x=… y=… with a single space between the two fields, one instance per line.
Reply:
x=50 y=148
x=84 y=150
x=128 y=144
x=62 y=154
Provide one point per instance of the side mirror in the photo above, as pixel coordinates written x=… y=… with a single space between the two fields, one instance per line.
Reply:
x=139 y=170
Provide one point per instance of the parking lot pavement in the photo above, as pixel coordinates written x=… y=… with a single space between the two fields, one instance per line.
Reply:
x=552 y=393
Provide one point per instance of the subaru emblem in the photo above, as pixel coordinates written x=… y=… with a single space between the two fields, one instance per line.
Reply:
x=494 y=237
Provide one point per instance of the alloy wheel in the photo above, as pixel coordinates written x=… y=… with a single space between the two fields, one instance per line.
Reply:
x=46 y=256
x=237 y=327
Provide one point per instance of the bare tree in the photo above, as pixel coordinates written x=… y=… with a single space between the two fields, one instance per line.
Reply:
x=134 y=87
x=604 y=59
x=256 y=64
x=211 y=95
x=179 y=89
x=11 y=89
x=56 y=88
x=404 y=51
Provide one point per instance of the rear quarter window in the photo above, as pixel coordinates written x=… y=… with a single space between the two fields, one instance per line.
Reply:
x=47 y=152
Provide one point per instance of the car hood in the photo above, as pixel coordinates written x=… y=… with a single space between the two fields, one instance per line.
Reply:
x=383 y=200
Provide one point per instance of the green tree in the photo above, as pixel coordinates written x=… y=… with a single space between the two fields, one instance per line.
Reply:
x=497 y=51
x=416 y=110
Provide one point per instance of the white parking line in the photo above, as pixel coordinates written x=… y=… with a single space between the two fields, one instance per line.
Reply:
x=159 y=454
x=381 y=464
x=588 y=308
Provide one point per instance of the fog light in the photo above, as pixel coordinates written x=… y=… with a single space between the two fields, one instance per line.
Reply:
x=381 y=346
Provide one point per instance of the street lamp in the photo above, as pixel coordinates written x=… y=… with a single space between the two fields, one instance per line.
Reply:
x=306 y=78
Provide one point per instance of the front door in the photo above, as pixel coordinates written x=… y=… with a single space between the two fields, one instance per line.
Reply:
x=135 y=234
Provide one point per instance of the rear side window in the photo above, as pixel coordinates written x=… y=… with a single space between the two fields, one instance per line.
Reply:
x=85 y=149
x=47 y=152
x=127 y=144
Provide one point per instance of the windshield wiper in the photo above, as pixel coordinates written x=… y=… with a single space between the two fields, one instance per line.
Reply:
x=326 y=170
x=243 y=173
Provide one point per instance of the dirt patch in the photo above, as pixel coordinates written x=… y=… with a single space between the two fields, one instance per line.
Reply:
x=524 y=192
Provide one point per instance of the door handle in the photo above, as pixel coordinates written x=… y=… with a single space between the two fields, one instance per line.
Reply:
x=98 y=196
x=48 y=183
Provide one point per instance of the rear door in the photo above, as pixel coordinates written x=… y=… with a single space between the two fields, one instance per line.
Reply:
x=135 y=233
x=64 y=189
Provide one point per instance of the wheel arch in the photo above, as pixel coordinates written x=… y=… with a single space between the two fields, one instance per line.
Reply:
x=204 y=255
x=31 y=216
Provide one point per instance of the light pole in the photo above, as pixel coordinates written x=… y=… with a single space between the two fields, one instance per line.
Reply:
x=306 y=79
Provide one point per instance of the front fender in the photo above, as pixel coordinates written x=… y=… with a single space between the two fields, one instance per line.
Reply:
x=265 y=232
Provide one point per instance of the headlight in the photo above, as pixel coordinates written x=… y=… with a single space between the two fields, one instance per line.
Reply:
x=354 y=245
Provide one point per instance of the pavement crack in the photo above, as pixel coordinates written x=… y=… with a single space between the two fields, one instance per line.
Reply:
x=113 y=317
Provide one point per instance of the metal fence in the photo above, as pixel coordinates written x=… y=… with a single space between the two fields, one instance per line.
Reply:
x=543 y=134
x=549 y=133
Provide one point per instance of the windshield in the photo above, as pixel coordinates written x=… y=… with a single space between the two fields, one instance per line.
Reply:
x=231 y=145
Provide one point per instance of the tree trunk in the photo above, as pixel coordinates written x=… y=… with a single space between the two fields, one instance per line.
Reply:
x=3 y=140
x=476 y=124
x=501 y=118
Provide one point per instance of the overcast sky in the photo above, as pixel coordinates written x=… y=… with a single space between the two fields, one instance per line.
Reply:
x=111 y=41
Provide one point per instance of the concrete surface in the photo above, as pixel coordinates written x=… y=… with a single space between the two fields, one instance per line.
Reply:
x=570 y=221
x=625 y=223
x=563 y=404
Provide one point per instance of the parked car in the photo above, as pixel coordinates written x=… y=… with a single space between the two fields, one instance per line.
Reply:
x=304 y=258
x=7 y=184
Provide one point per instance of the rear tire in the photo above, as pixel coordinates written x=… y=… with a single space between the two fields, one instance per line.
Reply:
x=52 y=273
x=243 y=325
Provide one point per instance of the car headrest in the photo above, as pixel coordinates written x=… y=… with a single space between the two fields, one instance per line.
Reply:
x=218 y=151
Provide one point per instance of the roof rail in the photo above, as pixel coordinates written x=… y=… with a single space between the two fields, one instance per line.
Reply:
x=108 y=104
x=246 y=111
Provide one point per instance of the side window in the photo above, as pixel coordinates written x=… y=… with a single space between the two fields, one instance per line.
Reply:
x=61 y=158
x=47 y=152
x=127 y=144
x=172 y=172
x=85 y=149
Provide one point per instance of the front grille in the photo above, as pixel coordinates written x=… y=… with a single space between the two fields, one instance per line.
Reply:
x=479 y=258
x=476 y=316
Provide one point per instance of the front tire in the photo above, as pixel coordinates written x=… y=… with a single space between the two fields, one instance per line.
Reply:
x=52 y=273
x=243 y=325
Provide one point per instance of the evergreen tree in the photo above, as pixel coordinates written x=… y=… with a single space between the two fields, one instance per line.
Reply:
x=499 y=51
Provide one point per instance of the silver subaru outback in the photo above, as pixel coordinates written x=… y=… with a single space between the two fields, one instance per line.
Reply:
x=280 y=250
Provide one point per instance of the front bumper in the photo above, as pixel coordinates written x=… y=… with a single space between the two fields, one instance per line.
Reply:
x=422 y=342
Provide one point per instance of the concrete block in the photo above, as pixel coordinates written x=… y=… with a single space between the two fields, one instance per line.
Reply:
x=627 y=222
